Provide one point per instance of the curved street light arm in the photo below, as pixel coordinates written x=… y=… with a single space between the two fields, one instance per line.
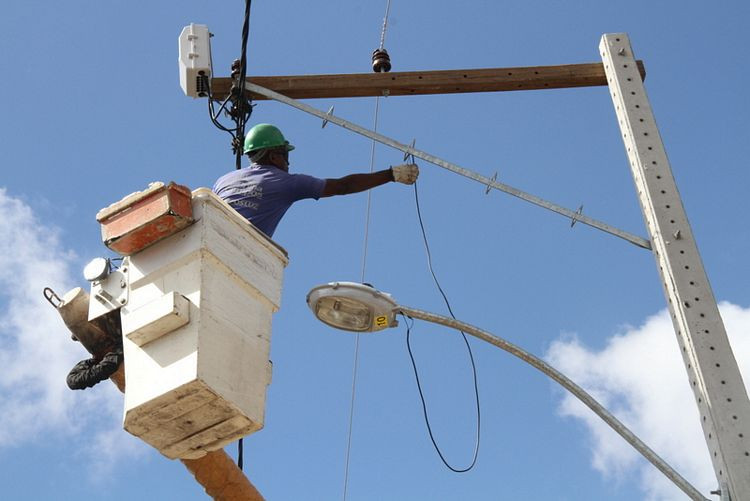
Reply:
x=569 y=385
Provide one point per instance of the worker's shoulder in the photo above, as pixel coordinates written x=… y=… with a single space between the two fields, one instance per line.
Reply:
x=301 y=175
x=232 y=177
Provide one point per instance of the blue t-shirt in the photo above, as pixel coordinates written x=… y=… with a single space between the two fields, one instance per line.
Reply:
x=263 y=193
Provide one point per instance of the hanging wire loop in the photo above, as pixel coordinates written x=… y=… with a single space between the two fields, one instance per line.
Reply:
x=569 y=385
x=475 y=455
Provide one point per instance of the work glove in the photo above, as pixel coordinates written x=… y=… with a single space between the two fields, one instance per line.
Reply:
x=111 y=361
x=405 y=173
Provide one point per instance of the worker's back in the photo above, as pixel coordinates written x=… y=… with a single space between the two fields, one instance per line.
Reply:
x=263 y=193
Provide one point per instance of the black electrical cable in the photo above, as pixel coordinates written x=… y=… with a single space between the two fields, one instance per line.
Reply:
x=214 y=115
x=244 y=109
x=241 y=108
x=468 y=347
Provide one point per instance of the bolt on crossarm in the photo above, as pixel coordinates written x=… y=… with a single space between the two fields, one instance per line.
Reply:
x=712 y=369
x=569 y=385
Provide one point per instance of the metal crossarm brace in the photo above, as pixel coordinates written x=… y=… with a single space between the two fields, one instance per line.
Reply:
x=410 y=150
x=714 y=375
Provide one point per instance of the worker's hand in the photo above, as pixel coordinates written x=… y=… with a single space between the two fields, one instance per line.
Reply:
x=405 y=173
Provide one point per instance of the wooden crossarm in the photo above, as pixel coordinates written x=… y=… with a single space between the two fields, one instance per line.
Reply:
x=413 y=83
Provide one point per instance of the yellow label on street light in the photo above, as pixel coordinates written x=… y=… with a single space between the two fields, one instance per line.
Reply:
x=381 y=321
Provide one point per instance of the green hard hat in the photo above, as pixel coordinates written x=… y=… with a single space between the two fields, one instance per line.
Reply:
x=264 y=136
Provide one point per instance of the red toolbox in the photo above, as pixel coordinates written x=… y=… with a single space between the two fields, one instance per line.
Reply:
x=145 y=217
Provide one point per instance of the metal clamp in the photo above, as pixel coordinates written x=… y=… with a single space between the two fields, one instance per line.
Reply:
x=328 y=116
x=489 y=185
x=111 y=292
x=408 y=153
x=574 y=219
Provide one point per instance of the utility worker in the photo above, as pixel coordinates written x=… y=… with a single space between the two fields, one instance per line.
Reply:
x=264 y=191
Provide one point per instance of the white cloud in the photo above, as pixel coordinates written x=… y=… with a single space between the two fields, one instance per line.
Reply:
x=640 y=377
x=36 y=351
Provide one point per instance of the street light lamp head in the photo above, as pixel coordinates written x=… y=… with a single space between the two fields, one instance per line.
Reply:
x=353 y=307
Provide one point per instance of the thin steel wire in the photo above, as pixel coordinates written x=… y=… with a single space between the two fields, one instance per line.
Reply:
x=364 y=266
x=369 y=192
x=356 y=337
x=385 y=23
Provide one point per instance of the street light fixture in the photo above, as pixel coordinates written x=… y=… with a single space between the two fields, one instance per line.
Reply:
x=353 y=307
x=362 y=308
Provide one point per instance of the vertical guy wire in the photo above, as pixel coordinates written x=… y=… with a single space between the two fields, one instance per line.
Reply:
x=385 y=23
x=369 y=193
x=361 y=279
x=364 y=264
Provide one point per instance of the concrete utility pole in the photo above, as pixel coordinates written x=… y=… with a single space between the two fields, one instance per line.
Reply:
x=714 y=375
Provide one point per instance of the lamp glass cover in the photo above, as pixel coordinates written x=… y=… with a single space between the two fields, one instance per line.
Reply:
x=344 y=313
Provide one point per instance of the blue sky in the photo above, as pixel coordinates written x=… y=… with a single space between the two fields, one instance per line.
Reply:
x=93 y=111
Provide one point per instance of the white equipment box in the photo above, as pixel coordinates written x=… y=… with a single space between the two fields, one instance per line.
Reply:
x=197 y=330
x=195 y=60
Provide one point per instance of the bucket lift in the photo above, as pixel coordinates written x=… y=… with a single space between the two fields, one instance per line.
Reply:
x=196 y=290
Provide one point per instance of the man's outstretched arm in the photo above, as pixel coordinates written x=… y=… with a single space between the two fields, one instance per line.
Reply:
x=356 y=183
